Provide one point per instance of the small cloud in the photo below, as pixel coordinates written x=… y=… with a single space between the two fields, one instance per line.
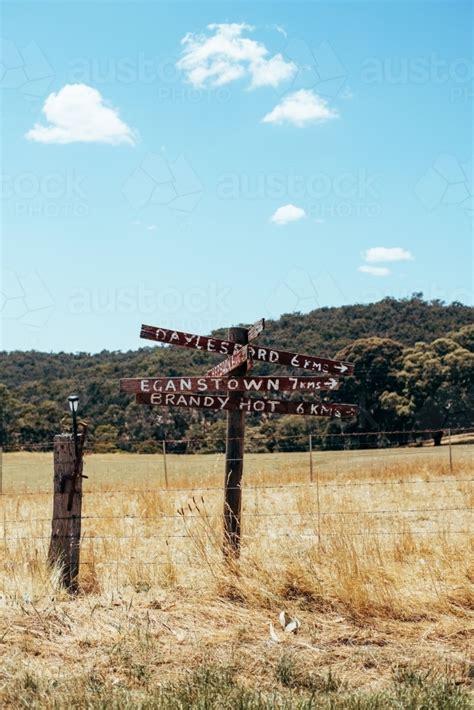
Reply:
x=374 y=270
x=77 y=114
x=300 y=108
x=287 y=213
x=225 y=55
x=381 y=254
x=151 y=227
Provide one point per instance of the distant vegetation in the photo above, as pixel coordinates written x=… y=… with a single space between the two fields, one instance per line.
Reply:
x=414 y=370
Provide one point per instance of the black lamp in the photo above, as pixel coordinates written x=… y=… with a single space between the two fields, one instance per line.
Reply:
x=73 y=400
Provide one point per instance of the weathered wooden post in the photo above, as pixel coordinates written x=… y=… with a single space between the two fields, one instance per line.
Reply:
x=450 y=451
x=227 y=386
x=165 y=465
x=64 y=548
x=234 y=459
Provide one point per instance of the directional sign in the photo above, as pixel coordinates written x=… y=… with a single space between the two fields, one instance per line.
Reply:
x=228 y=384
x=245 y=404
x=306 y=362
x=232 y=363
x=189 y=340
x=320 y=365
x=254 y=331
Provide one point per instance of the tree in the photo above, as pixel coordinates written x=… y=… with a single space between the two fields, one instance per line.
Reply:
x=376 y=361
x=10 y=408
x=435 y=385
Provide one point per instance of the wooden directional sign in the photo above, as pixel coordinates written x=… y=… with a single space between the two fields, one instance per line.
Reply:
x=189 y=340
x=254 y=331
x=320 y=365
x=195 y=392
x=240 y=357
x=204 y=385
x=306 y=362
x=245 y=404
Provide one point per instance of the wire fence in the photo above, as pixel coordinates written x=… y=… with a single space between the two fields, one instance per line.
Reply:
x=258 y=442
x=428 y=489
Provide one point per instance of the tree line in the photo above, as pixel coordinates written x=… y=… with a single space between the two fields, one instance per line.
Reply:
x=414 y=370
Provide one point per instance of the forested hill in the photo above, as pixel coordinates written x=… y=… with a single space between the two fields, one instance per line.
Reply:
x=34 y=385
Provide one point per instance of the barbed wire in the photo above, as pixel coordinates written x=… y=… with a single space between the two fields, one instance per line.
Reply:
x=247 y=536
x=244 y=487
x=258 y=437
x=179 y=515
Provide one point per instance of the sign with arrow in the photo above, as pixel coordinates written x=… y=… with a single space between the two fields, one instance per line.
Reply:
x=306 y=384
x=240 y=351
x=306 y=362
x=247 y=404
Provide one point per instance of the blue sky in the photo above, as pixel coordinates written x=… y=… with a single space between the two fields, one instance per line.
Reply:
x=285 y=156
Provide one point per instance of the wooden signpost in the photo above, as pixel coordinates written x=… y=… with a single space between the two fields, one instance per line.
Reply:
x=228 y=384
x=227 y=387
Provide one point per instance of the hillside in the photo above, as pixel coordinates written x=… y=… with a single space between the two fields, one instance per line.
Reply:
x=36 y=384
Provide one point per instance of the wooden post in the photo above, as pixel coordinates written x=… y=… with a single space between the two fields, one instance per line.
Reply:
x=450 y=451
x=234 y=461
x=165 y=464
x=64 y=549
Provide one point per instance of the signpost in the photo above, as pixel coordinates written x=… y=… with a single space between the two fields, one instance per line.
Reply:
x=230 y=403
x=226 y=387
x=233 y=362
x=228 y=384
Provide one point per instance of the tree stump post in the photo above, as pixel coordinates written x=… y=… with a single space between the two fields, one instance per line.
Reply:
x=64 y=548
x=234 y=461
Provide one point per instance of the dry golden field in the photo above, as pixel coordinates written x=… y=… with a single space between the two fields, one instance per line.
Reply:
x=373 y=558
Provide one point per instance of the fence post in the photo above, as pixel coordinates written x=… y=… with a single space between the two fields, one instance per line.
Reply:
x=450 y=451
x=318 y=499
x=234 y=461
x=64 y=548
x=165 y=464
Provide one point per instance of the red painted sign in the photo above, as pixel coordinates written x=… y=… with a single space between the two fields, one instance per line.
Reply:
x=306 y=362
x=245 y=404
x=189 y=340
x=254 y=331
x=323 y=366
x=228 y=384
x=240 y=357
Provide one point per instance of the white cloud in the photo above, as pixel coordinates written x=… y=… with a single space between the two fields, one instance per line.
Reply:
x=374 y=270
x=225 y=55
x=77 y=114
x=384 y=254
x=288 y=213
x=301 y=107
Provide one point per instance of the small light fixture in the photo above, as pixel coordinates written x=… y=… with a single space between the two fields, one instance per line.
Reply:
x=73 y=400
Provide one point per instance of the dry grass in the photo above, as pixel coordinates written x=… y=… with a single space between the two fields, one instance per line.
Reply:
x=372 y=557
